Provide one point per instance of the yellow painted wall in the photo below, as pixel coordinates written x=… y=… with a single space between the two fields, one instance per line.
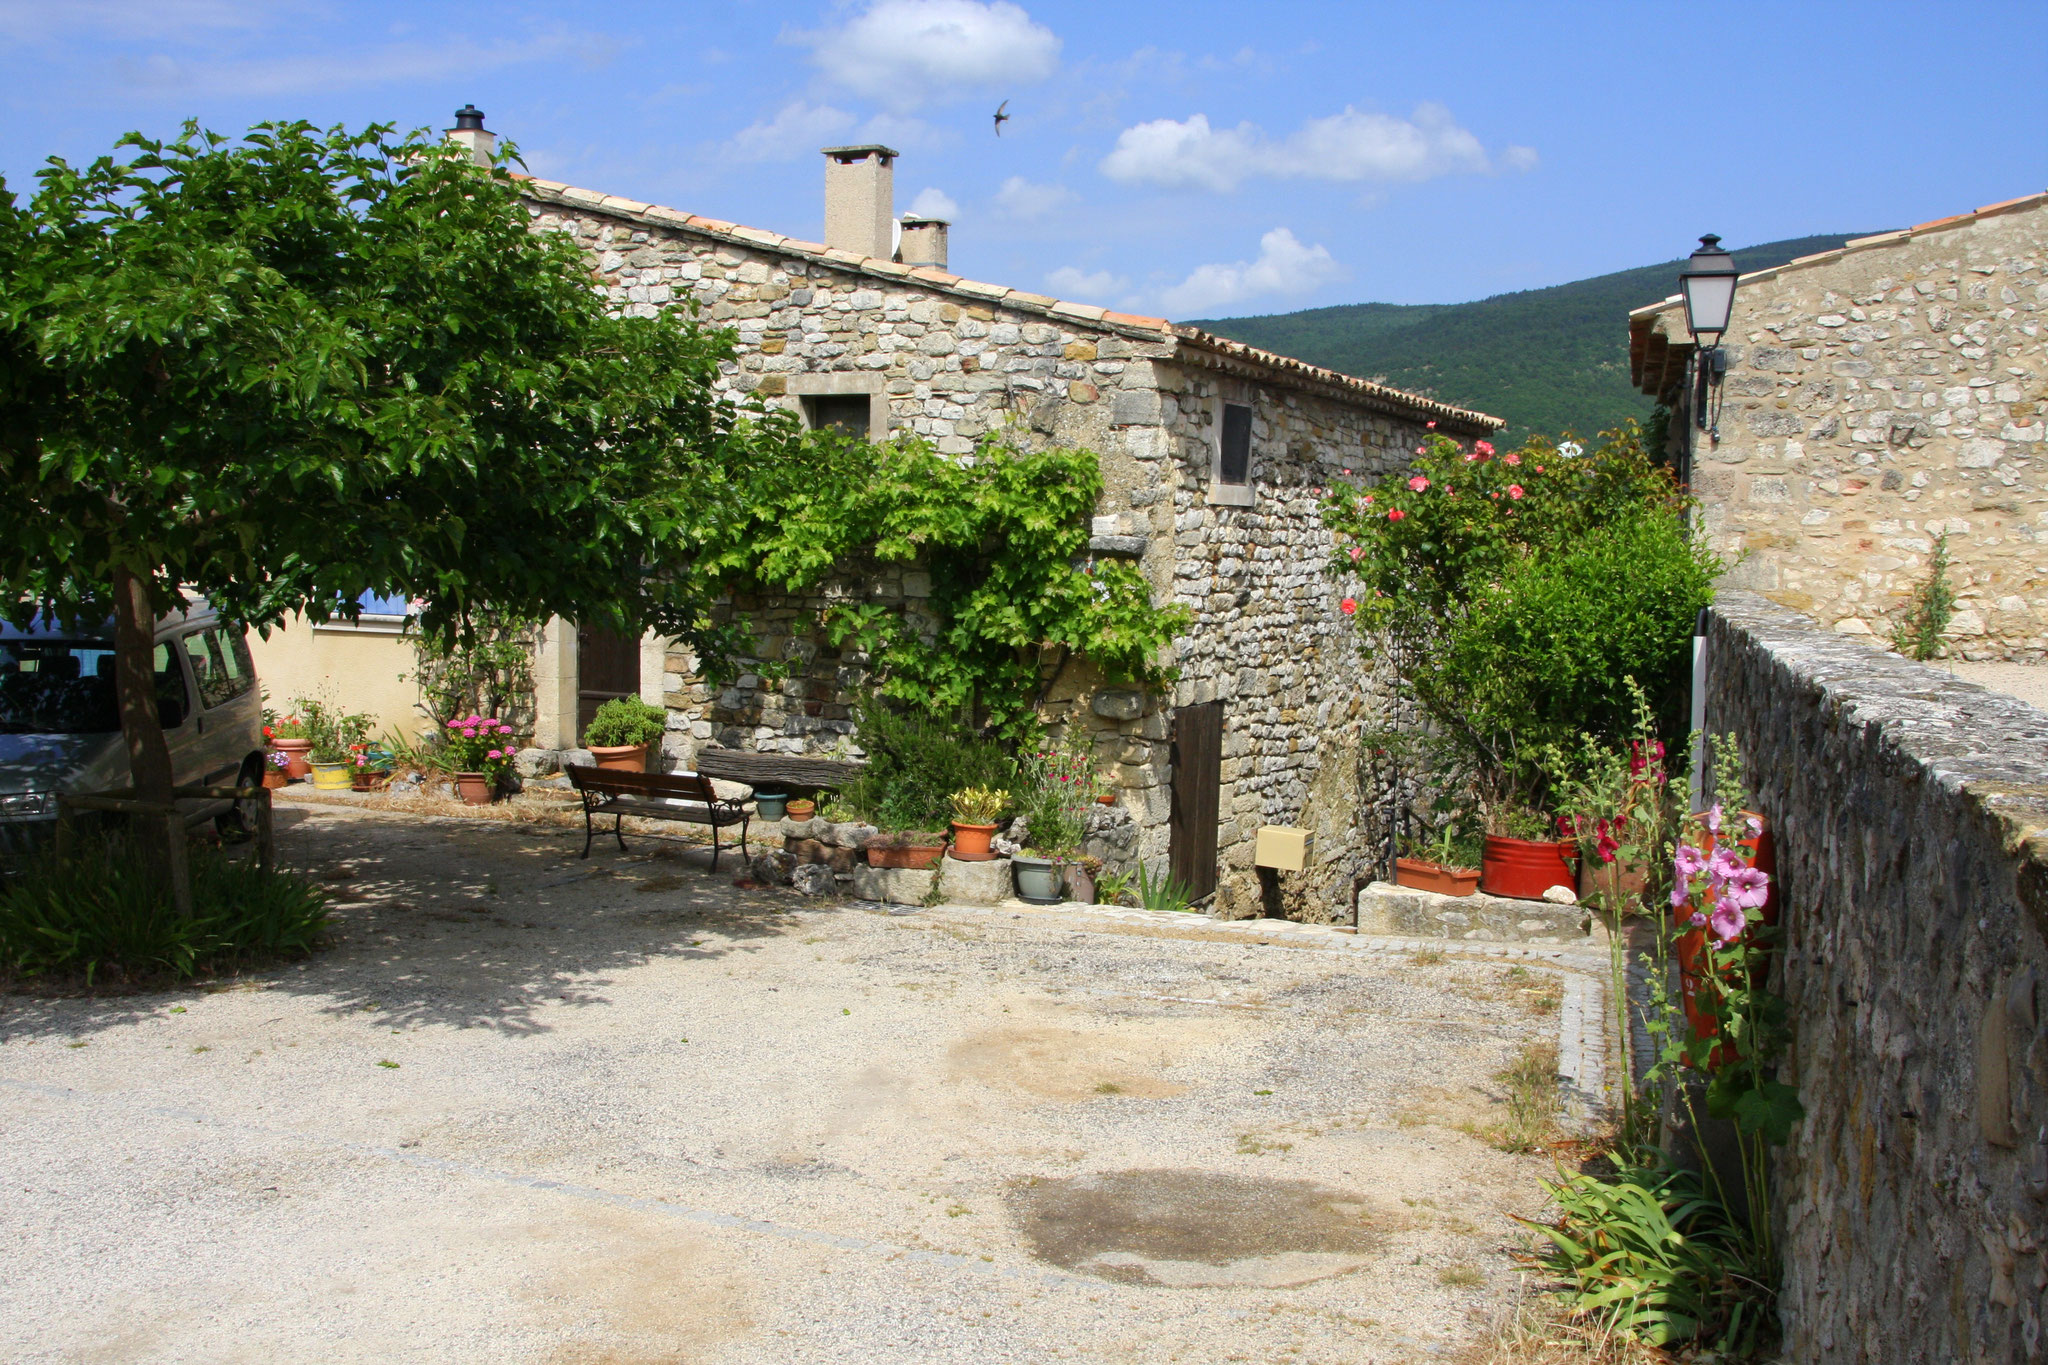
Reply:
x=366 y=670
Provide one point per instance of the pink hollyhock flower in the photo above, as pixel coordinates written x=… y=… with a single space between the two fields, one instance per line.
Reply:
x=1349 y=606
x=1727 y=920
x=1680 y=895
x=1483 y=447
x=1698 y=920
x=1511 y=458
x=1514 y=490
x=1357 y=553
x=1748 y=888
x=1396 y=514
x=1417 y=484
x=1688 y=863
x=1723 y=865
x=1712 y=819
x=1755 y=825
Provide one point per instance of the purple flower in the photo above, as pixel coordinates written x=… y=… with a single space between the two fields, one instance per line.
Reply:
x=494 y=754
x=469 y=732
x=1680 y=894
x=1698 y=920
x=1689 y=862
x=1725 y=863
x=1756 y=826
x=1727 y=920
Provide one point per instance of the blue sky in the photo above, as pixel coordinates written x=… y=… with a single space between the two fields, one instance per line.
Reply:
x=1195 y=159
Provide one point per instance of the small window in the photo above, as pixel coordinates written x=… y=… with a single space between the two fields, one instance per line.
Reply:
x=1234 y=448
x=846 y=411
x=170 y=689
x=383 y=604
x=383 y=613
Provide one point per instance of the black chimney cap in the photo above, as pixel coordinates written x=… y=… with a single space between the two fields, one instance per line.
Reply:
x=469 y=117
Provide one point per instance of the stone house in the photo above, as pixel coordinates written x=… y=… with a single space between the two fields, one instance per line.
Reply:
x=1877 y=397
x=1214 y=456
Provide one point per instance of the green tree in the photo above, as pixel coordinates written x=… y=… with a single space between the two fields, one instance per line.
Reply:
x=292 y=368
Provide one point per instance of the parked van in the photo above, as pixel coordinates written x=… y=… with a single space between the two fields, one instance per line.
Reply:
x=60 y=729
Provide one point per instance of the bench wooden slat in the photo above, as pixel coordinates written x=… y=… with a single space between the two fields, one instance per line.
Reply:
x=687 y=797
x=755 y=769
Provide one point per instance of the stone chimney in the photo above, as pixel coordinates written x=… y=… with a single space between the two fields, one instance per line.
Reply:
x=924 y=242
x=860 y=199
x=470 y=132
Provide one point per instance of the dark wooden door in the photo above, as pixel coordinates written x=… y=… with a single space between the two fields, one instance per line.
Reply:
x=1197 y=782
x=607 y=666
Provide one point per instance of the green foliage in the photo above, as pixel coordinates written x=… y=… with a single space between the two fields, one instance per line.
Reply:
x=917 y=760
x=488 y=672
x=999 y=532
x=1114 y=888
x=980 y=805
x=1552 y=359
x=625 y=721
x=333 y=734
x=1521 y=592
x=1650 y=1253
x=1057 y=782
x=104 y=914
x=291 y=369
x=1917 y=634
x=1165 y=892
x=477 y=744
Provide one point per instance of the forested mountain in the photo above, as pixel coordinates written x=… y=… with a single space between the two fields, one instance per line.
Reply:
x=1548 y=360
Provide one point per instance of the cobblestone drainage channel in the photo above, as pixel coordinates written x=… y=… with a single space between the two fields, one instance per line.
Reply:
x=1194 y=1229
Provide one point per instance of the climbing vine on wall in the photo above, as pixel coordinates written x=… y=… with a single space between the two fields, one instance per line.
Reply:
x=1004 y=536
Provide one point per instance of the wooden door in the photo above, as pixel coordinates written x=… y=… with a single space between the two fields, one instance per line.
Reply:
x=607 y=666
x=1197 y=783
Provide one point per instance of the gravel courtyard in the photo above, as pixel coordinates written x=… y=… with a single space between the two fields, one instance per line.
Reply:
x=529 y=1108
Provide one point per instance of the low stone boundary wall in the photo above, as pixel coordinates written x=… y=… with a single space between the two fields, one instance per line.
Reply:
x=1911 y=814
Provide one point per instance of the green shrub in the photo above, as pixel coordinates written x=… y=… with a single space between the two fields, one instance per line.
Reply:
x=917 y=760
x=623 y=722
x=104 y=913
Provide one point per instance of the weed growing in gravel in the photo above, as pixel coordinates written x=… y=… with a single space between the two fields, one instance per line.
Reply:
x=1531 y=1083
x=1250 y=1144
x=1460 y=1276
x=103 y=914
x=1109 y=1088
x=1427 y=957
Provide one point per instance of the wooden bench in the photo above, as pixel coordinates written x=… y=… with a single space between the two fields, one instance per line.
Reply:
x=791 y=772
x=688 y=797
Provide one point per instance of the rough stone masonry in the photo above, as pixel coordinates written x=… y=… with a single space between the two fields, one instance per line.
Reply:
x=951 y=360
x=1911 y=817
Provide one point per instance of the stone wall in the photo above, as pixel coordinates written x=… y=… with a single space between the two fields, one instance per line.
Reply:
x=1876 y=398
x=951 y=361
x=1911 y=815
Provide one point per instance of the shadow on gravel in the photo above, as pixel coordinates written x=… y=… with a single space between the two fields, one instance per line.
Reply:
x=470 y=924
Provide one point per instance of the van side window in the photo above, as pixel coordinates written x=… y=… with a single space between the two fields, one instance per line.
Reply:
x=221 y=670
x=170 y=689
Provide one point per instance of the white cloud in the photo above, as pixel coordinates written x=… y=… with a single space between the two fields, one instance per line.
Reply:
x=797 y=129
x=1020 y=198
x=1351 y=146
x=932 y=203
x=906 y=52
x=1284 y=267
x=1079 y=286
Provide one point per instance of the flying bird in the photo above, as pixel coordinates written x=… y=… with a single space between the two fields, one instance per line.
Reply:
x=1001 y=117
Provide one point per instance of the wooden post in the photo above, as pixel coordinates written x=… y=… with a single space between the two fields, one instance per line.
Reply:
x=179 y=865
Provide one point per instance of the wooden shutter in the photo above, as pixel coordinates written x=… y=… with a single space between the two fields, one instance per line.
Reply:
x=1197 y=785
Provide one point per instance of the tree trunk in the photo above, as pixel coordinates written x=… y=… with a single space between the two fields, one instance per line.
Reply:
x=149 y=756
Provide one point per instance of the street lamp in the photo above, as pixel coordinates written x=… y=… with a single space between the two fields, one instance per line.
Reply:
x=1708 y=284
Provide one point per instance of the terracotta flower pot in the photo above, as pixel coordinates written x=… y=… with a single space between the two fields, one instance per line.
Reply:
x=476 y=789
x=1419 y=874
x=802 y=809
x=1080 y=884
x=626 y=758
x=970 y=842
x=1524 y=869
x=370 y=781
x=1106 y=799
x=919 y=856
x=295 y=750
x=274 y=777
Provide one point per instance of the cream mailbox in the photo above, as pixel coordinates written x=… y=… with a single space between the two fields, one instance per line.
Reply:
x=1284 y=847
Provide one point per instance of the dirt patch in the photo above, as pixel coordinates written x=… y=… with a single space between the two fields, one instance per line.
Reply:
x=1195 y=1229
x=1059 y=1062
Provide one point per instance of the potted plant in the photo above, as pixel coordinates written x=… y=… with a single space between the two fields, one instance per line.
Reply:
x=480 y=751
x=770 y=805
x=910 y=848
x=276 y=770
x=622 y=731
x=1038 y=876
x=975 y=812
x=287 y=735
x=373 y=767
x=1442 y=865
x=332 y=738
x=1082 y=874
x=801 y=808
x=1519 y=860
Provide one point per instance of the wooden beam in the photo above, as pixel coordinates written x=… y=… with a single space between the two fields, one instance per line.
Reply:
x=755 y=769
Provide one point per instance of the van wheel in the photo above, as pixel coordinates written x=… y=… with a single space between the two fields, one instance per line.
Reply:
x=238 y=824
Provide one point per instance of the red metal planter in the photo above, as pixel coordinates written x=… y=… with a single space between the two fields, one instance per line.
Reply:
x=1524 y=868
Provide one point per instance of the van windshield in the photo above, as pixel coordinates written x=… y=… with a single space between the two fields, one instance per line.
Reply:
x=57 y=687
